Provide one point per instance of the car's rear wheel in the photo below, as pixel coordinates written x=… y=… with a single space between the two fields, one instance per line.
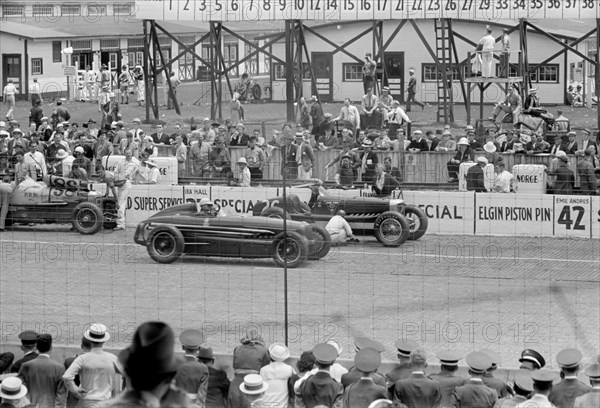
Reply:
x=322 y=243
x=417 y=222
x=391 y=229
x=165 y=244
x=87 y=218
x=274 y=212
x=292 y=246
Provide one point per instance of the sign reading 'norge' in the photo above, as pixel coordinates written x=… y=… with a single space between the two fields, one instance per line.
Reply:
x=340 y=10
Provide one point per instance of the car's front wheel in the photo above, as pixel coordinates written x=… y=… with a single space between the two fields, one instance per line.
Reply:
x=87 y=218
x=291 y=247
x=391 y=229
x=417 y=222
x=322 y=243
x=165 y=244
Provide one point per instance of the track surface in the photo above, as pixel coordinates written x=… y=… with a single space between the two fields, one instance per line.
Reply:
x=454 y=292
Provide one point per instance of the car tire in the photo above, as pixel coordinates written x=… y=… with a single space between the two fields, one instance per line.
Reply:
x=165 y=244
x=274 y=212
x=391 y=229
x=295 y=248
x=417 y=222
x=322 y=243
x=87 y=218
x=256 y=92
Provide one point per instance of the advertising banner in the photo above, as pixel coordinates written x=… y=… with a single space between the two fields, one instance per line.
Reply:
x=512 y=214
x=573 y=216
x=240 y=200
x=448 y=212
x=146 y=200
x=596 y=217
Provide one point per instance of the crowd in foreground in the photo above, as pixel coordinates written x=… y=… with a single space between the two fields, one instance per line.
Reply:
x=148 y=373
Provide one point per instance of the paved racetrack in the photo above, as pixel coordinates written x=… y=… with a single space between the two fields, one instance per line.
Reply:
x=443 y=291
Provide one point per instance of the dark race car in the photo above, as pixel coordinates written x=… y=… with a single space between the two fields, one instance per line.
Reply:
x=182 y=229
x=392 y=221
x=60 y=200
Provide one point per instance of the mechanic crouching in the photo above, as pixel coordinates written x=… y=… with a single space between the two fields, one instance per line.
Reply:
x=340 y=230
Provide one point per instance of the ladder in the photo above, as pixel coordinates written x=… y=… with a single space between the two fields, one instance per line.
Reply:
x=443 y=45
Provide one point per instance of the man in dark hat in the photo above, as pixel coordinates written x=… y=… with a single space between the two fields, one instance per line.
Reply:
x=150 y=365
x=6 y=360
x=531 y=360
x=592 y=398
x=43 y=376
x=495 y=383
x=542 y=386
x=563 y=394
x=523 y=387
x=321 y=388
x=475 y=393
x=28 y=343
x=354 y=374
x=364 y=391
x=418 y=390
x=218 y=383
x=192 y=375
x=402 y=370
x=447 y=377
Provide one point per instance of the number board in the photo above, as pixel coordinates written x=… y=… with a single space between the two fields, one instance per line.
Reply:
x=345 y=10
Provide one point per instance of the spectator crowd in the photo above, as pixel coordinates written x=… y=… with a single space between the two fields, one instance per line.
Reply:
x=148 y=373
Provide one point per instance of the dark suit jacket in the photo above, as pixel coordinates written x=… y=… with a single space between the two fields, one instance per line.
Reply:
x=434 y=143
x=475 y=179
x=563 y=394
x=43 y=378
x=218 y=386
x=420 y=144
x=467 y=155
x=566 y=149
x=192 y=377
x=401 y=372
x=389 y=185
x=497 y=384
x=27 y=357
x=321 y=389
x=418 y=391
x=362 y=393
x=353 y=375
x=473 y=394
x=564 y=179
x=448 y=382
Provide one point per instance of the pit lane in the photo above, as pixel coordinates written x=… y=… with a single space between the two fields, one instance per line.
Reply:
x=504 y=293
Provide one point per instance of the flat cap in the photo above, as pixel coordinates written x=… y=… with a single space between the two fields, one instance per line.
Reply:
x=365 y=342
x=534 y=356
x=543 y=376
x=405 y=347
x=478 y=362
x=28 y=337
x=569 y=358
x=206 y=352
x=523 y=380
x=593 y=371
x=191 y=338
x=367 y=360
x=324 y=353
x=448 y=357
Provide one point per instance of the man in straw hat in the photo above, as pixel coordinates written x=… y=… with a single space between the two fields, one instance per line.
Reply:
x=463 y=155
x=254 y=389
x=97 y=370
x=150 y=365
x=592 y=398
x=475 y=393
x=276 y=375
x=13 y=393
x=364 y=391
x=192 y=375
x=564 y=393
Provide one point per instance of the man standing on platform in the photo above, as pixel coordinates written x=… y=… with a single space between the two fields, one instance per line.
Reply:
x=487 y=43
x=412 y=91
x=505 y=56
x=368 y=72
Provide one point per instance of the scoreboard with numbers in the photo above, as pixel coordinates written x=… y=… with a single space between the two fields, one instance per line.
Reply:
x=341 y=10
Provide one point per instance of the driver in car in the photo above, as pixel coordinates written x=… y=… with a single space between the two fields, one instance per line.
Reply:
x=345 y=175
x=207 y=207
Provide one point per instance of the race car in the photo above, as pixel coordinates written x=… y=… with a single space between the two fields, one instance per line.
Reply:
x=392 y=221
x=60 y=200
x=182 y=229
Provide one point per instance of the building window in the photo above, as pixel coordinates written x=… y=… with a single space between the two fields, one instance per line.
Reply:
x=94 y=10
x=12 y=10
x=547 y=73
x=43 y=10
x=81 y=45
x=230 y=55
x=36 y=66
x=136 y=58
x=122 y=9
x=352 y=72
x=56 y=49
x=109 y=43
x=430 y=73
x=278 y=71
x=70 y=9
x=513 y=70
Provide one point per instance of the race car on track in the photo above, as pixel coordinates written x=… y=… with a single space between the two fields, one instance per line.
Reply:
x=182 y=229
x=392 y=221
x=61 y=200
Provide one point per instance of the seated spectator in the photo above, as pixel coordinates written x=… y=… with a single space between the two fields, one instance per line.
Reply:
x=587 y=177
x=147 y=170
x=179 y=132
x=391 y=170
x=255 y=158
x=578 y=97
x=120 y=132
x=520 y=144
x=340 y=230
x=571 y=146
x=385 y=104
x=503 y=180
x=491 y=154
x=475 y=145
x=570 y=95
x=463 y=155
x=345 y=174
x=218 y=159
x=241 y=175
x=383 y=183
x=381 y=141
x=418 y=142
x=540 y=146
x=368 y=161
x=349 y=116
x=585 y=142
x=564 y=176
x=323 y=129
x=158 y=136
x=447 y=144
x=432 y=140
x=82 y=162
x=329 y=141
x=396 y=119
x=148 y=147
x=199 y=157
x=370 y=114
x=557 y=146
x=475 y=176
x=239 y=137
x=260 y=141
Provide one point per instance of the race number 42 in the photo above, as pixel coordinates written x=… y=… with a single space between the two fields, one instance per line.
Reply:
x=571 y=217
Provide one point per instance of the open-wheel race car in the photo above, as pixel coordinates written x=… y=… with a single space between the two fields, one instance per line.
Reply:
x=392 y=221
x=182 y=229
x=60 y=200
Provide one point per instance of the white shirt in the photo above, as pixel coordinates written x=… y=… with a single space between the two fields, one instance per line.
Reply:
x=397 y=116
x=502 y=182
x=350 y=114
x=488 y=42
x=10 y=90
x=146 y=174
x=242 y=177
x=338 y=224
x=276 y=375
x=37 y=159
x=35 y=88
x=97 y=372
x=128 y=169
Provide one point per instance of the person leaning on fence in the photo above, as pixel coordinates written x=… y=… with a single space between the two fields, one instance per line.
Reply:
x=564 y=176
x=464 y=154
x=475 y=176
x=396 y=119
